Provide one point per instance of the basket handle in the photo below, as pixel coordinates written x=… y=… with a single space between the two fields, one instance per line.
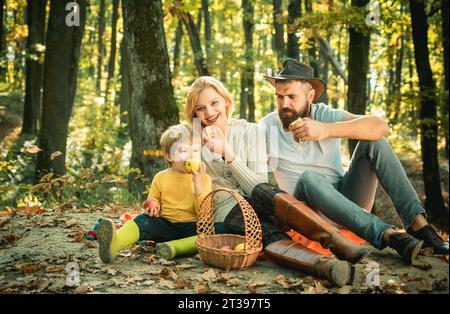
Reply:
x=205 y=223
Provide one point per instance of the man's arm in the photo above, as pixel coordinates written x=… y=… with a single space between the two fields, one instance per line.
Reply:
x=357 y=127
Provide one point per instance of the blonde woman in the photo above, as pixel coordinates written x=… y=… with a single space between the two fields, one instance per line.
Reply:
x=234 y=152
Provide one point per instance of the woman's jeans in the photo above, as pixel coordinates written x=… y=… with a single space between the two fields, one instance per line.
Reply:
x=348 y=201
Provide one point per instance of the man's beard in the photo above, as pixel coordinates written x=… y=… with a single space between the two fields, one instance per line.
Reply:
x=286 y=120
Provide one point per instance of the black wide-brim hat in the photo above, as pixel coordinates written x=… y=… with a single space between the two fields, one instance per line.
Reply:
x=294 y=70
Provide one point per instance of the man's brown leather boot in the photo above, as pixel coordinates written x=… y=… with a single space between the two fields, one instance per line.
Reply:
x=271 y=201
x=293 y=255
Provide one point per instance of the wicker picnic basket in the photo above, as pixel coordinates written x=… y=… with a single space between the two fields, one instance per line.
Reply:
x=209 y=243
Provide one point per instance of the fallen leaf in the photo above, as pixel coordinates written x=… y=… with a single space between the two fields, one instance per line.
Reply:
x=234 y=282
x=316 y=289
x=9 y=239
x=150 y=259
x=202 y=288
x=55 y=269
x=210 y=275
x=185 y=266
x=84 y=288
x=166 y=283
x=148 y=282
x=282 y=281
x=32 y=210
x=168 y=273
x=421 y=264
x=71 y=223
x=111 y=271
x=181 y=283
x=252 y=285
x=153 y=272
x=31 y=267
x=344 y=290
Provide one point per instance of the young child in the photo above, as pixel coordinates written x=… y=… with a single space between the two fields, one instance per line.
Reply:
x=176 y=196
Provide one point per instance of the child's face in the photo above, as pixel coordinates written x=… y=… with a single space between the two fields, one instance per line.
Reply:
x=181 y=153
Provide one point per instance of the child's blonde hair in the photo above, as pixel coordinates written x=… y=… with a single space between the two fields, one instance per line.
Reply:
x=197 y=87
x=175 y=133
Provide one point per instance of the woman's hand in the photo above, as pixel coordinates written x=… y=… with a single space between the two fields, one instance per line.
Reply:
x=216 y=142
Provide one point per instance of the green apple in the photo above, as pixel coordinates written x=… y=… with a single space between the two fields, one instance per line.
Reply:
x=192 y=164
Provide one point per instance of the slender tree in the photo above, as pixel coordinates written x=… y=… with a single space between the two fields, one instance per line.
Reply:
x=152 y=103
x=34 y=65
x=60 y=81
x=112 y=54
x=123 y=99
x=358 y=66
x=100 y=46
x=176 y=50
x=428 y=120
x=278 y=37
x=188 y=22
x=294 y=13
x=248 y=73
x=445 y=21
x=312 y=53
x=208 y=27
x=2 y=31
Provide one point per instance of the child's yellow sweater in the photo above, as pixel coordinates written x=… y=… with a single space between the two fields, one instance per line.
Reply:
x=175 y=193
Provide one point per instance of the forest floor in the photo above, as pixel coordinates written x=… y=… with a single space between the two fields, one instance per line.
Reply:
x=38 y=245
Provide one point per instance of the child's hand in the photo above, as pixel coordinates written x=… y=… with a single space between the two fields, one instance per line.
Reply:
x=197 y=179
x=198 y=173
x=151 y=208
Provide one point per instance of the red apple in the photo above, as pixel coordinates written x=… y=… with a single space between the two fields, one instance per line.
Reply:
x=150 y=204
x=227 y=247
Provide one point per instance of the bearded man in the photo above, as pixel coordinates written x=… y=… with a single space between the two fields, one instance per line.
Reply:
x=303 y=144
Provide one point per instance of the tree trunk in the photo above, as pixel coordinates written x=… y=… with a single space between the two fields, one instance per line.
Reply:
x=199 y=21
x=194 y=38
x=249 y=68
x=176 y=51
x=434 y=202
x=62 y=56
x=123 y=99
x=398 y=79
x=244 y=97
x=208 y=30
x=358 y=66
x=101 y=30
x=34 y=65
x=112 y=54
x=445 y=21
x=279 y=45
x=2 y=32
x=152 y=103
x=294 y=13
x=323 y=70
x=312 y=53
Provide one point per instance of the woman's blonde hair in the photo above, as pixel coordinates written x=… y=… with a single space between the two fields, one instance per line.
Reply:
x=197 y=87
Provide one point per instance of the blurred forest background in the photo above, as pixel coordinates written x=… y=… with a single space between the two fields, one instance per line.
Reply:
x=87 y=87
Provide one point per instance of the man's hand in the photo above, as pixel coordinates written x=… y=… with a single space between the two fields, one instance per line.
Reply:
x=151 y=208
x=310 y=130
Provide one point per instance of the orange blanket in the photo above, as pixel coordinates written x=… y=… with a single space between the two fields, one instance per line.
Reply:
x=315 y=246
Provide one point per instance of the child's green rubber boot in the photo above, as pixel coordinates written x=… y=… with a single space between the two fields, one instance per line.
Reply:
x=110 y=241
x=170 y=249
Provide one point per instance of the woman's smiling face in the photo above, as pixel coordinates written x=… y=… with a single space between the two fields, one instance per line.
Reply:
x=211 y=108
